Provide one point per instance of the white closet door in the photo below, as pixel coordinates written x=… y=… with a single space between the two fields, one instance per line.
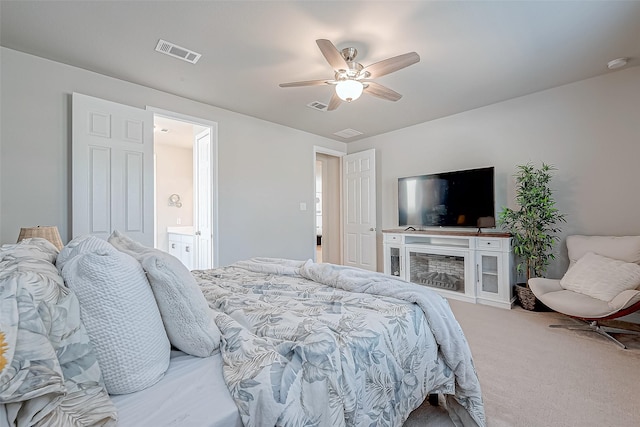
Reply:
x=359 y=174
x=112 y=169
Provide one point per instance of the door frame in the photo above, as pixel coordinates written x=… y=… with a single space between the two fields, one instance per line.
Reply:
x=214 y=167
x=339 y=154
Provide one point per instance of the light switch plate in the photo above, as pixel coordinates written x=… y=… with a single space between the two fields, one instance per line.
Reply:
x=303 y=206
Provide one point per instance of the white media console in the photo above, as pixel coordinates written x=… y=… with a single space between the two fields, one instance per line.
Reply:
x=465 y=265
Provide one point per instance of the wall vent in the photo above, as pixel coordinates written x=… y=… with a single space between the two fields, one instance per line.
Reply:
x=176 y=51
x=317 y=105
x=348 y=133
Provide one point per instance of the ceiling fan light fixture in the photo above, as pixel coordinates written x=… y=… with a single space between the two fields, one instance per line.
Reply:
x=349 y=90
x=351 y=78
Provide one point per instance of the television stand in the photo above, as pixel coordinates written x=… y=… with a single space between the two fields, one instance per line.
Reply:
x=466 y=265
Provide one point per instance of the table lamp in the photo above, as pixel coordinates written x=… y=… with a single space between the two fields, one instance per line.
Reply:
x=46 y=232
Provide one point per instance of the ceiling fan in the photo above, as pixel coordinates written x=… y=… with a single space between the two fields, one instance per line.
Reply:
x=351 y=79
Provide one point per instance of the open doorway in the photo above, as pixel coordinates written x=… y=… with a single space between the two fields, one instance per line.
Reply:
x=328 y=208
x=185 y=189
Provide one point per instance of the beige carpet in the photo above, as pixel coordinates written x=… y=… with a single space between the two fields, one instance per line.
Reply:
x=535 y=376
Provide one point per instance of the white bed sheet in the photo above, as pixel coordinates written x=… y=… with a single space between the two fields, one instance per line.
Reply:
x=4 y=421
x=192 y=393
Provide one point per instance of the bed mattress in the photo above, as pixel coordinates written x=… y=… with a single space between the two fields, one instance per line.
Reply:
x=192 y=393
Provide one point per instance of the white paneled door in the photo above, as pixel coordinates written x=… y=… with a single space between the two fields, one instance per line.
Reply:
x=112 y=169
x=359 y=174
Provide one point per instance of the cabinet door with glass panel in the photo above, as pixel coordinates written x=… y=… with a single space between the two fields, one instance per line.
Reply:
x=493 y=275
x=489 y=276
x=394 y=260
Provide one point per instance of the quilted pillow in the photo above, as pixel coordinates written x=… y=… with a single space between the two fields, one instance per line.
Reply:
x=182 y=305
x=79 y=245
x=601 y=277
x=121 y=317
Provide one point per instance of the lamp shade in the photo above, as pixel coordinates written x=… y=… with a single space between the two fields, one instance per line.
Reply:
x=349 y=90
x=50 y=233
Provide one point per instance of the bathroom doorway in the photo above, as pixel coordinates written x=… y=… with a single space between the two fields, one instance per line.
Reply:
x=185 y=188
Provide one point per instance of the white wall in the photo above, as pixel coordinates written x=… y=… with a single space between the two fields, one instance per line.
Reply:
x=589 y=130
x=265 y=170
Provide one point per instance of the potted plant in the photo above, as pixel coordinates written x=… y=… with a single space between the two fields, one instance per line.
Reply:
x=532 y=226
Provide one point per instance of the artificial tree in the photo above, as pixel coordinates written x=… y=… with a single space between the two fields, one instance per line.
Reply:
x=533 y=225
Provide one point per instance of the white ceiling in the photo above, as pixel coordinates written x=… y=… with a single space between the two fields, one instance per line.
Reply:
x=472 y=53
x=175 y=133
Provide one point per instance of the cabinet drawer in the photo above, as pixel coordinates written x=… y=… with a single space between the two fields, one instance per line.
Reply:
x=393 y=238
x=490 y=244
x=180 y=242
x=182 y=238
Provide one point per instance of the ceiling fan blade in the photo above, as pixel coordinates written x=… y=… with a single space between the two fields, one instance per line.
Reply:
x=392 y=64
x=380 y=91
x=305 y=83
x=334 y=102
x=332 y=55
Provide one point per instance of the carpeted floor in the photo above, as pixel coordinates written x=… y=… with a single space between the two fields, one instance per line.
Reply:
x=535 y=376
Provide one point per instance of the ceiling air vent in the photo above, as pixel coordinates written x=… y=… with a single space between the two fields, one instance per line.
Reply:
x=317 y=105
x=177 y=51
x=348 y=133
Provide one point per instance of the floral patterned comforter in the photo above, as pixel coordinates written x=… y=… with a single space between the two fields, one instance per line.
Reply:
x=308 y=344
x=49 y=374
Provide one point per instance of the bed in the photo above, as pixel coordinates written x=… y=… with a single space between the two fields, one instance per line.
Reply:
x=300 y=344
x=353 y=347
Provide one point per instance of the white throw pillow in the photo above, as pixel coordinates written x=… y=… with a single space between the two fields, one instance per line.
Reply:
x=80 y=245
x=184 y=309
x=601 y=277
x=121 y=317
x=127 y=245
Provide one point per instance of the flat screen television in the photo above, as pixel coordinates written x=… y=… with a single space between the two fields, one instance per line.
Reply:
x=462 y=198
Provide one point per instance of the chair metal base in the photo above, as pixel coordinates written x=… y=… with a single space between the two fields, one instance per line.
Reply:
x=602 y=330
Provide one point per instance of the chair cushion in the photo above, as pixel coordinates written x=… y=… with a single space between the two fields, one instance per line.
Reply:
x=625 y=248
x=579 y=305
x=625 y=299
x=601 y=277
x=575 y=304
x=541 y=285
